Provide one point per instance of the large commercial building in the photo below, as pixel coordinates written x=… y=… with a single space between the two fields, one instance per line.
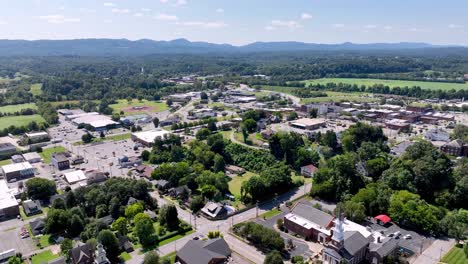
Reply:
x=6 y=150
x=9 y=207
x=17 y=171
x=308 y=123
x=94 y=120
x=147 y=137
x=37 y=137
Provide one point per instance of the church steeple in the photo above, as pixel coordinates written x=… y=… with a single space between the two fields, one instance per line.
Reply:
x=101 y=257
x=338 y=230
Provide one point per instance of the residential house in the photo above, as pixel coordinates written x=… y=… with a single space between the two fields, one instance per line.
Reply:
x=95 y=177
x=82 y=254
x=308 y=170
x=456 y=148
x=181 y=192
x=131 y=200
x=214 y=210
x=61 y=160
x=37 y=226
x=400 y=148
x=213 y=251
x=162 y=185
x=144 y=171
x=125 y=244
x=108 y=220
x=32 y=207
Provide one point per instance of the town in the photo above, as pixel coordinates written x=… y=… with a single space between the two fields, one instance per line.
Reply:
x=237 y=174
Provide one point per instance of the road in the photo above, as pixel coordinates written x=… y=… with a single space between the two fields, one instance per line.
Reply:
x=202 y=226
x=233 y=139
x=434 y=252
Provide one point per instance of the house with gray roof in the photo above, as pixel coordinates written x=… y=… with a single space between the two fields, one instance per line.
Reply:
x=213 y=251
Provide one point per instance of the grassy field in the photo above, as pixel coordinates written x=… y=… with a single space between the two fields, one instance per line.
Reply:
x=455 y=256
x=16 y=108
x=273 y=212
x=235 y=183
x=149 y=106
x=47 y=153
x=107 y=138
x=43 y=257
x=5 y=162
x=36 y=89
x=19 y=121
x=391 y=83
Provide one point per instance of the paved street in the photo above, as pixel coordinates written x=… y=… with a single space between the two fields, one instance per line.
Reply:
x=434 y=252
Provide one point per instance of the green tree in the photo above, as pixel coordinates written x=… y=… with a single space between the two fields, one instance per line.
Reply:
x=110 y=243
x=144 y=229
x=145 y=155
x=250 y=125
x=197 y=203
x=120 y=225
x=133 y=210
x=219 y=163
x=151 y=258
x=168 y=216
x=274 y=257
x=76 y=225
x=292 y=116
x=356 y=212
x=156 y=122
x=202 y=133
x=40 y=188
x=15 y=260
x=313 y=113
x=65 y=248
x=57 y=221
x=87 y=138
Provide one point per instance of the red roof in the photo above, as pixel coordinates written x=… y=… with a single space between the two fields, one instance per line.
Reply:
x=311 y=168
x=383 y=218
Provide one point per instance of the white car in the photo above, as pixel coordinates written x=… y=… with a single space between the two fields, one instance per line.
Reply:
x=408 y=236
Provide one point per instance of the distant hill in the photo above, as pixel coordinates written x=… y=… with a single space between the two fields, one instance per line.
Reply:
x=124 y=47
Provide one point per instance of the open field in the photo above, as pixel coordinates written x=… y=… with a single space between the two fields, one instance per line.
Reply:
x=36 y=89
x=16 y=108
x=455 y=256
x=44 y=257
x=332 y=96
x=141 y=107
x=19 y=121
x=391 y=83
x=235 y=183
x=47 y=153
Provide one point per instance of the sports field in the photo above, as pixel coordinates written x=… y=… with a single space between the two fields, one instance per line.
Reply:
x=455 y=256
x=36 y=89
x=137 y=107
x=391 y=83
x=19 y=121
x=16 y=108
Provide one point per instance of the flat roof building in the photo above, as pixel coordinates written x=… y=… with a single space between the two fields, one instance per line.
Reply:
x=32 y=157
x=9 y=207
x=75 y=176
x=147 y=138
x=308 y=123
x=17 y=171
x=7 y=149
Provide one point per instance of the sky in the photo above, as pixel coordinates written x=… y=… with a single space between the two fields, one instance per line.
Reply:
x=239 y=22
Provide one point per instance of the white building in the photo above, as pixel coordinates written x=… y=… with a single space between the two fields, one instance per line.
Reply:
x=147 y=137
x=32 y=157
x=9 y=207
x=75 y=176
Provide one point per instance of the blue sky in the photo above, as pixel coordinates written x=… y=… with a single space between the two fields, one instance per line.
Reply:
x=239 y=21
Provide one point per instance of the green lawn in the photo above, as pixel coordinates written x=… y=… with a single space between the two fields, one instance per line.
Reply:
x=306 y=180
x=455 y=256
x=171 y=257
x=174 y=238
x=44 y=240
x=271 y=213
x=150 y=106
x=36 y=89
x=25 y=217
x=391 y=83
x=235 y=183
x=125 y=256
x=16 y=108
x=107 y=138
x=46 y=153
x=5 y=162
x=19 y=121
x=44 y=257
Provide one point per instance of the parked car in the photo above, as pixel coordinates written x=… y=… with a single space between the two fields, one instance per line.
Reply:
x=408 y=236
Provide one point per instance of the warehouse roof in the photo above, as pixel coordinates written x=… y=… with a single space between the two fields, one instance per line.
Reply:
x=16 y=167
x=150 y=136
x=75 y=176
x=7 y=199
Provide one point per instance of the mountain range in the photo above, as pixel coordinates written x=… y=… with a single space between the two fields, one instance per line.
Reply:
x=124 y=47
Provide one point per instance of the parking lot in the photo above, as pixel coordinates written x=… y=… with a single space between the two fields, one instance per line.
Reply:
x=10 y=238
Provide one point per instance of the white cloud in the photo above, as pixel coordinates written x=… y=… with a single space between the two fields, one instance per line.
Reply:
x=174 y=2
x=61 y=7
x=144 y=9
x=120 y=11
x=269 y=28
x=58 y=19
x=87 y=10
x=338 y=25
x=454 y=26
x=370 y=26
x=138 y=14
x=291 y=24
x=109 y=4
x=219 y=10
x=424 y=30
x=210 y=24
x=107 y=21
x=3 y=22
x=166 y=17
x=306 y=16
x=388 y=28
